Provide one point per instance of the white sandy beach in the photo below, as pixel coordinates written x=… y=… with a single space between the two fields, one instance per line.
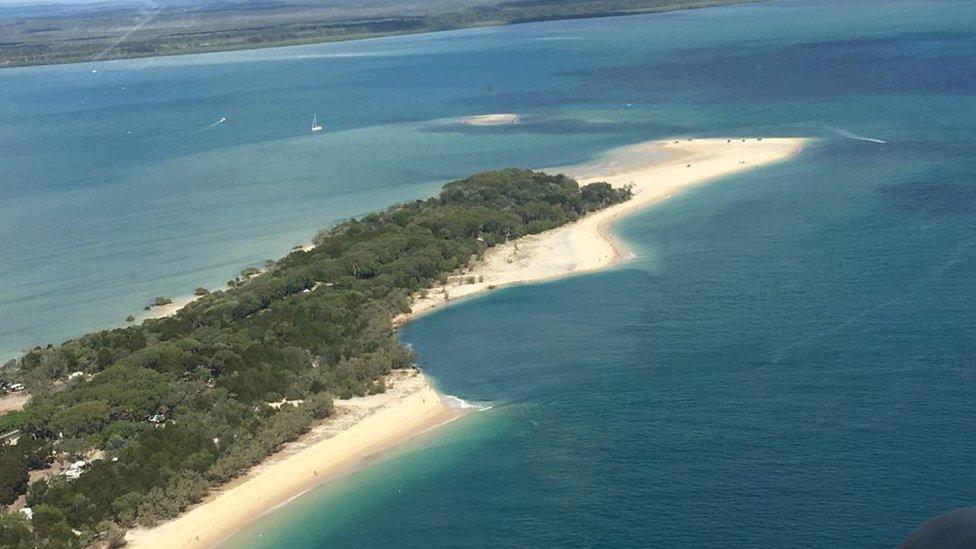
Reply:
x=657 y=170
x=178 y=303
x=361 y=427
x=498 y=119
x=170 y=309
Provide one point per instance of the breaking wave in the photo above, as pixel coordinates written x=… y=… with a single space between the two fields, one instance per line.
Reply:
x=457 y=403
x=220 y=121
x=851 y=135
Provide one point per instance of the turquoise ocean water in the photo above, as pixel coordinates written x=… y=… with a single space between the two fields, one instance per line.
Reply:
x=788 y=362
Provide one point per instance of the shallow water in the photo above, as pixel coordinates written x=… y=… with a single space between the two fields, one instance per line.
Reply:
x=787 y=362
x=775 y=369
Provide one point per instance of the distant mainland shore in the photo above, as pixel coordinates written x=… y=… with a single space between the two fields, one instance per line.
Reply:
x=654 y=170
x=49 y=33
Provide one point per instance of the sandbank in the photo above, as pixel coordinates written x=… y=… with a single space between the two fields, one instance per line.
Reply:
x=498 y=119
x=361 y=427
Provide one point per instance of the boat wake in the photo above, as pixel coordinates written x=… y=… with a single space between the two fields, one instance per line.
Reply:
x=456 y=403
x=217 y=123
x=851 y=135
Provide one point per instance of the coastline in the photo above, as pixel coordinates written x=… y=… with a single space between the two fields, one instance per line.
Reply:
x=181 y=301
x=76 y=56
x=657 y=170
x=363 y=426
x=169 y=309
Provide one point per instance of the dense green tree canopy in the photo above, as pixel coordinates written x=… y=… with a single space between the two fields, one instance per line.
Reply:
x=179 y=404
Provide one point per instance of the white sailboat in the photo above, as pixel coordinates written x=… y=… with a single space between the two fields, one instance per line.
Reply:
x=316 y=127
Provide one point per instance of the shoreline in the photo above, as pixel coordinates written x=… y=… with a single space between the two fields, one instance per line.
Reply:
x=658 y=170
x=177 y=303
x=361 y=428
x=87 y=57
x=365 y=426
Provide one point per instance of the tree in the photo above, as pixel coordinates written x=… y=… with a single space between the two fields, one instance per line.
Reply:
x=15 y=531
x=321 y=405
x=82 y=418
x=13 y=473
x=126 y=508
x=51 y=529
x=112 y=534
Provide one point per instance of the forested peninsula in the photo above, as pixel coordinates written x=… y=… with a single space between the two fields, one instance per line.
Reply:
x=161 y=413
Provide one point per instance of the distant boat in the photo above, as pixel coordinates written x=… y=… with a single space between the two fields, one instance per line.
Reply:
x=316 y=127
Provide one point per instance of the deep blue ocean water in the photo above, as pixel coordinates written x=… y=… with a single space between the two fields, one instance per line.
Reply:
x=788 y=362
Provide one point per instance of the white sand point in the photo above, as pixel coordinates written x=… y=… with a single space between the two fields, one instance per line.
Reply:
x=500 y=119
x=657 y=170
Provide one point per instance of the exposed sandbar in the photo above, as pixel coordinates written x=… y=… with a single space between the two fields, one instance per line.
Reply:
x=499 y=119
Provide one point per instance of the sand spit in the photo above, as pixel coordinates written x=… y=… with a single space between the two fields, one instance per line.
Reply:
x=657 y=170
